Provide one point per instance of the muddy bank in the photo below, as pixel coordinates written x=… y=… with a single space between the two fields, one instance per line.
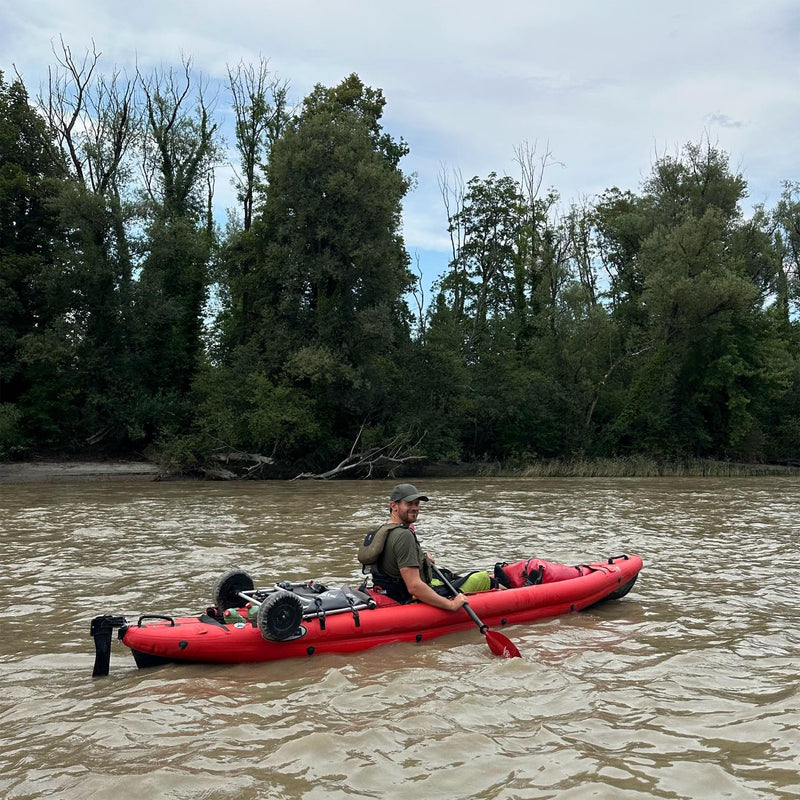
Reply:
x=77 y=470
x=55 y=471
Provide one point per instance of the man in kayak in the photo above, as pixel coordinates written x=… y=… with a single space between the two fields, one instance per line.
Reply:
x=397 y=562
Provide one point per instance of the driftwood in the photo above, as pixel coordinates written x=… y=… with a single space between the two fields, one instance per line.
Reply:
x=237 y=456
x=247 y=465
x=384 y=458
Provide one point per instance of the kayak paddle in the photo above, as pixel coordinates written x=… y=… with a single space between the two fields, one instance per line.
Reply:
x=500 y=645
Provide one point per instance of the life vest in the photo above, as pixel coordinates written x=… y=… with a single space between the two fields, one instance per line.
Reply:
x=374 y=543
x=370 y=554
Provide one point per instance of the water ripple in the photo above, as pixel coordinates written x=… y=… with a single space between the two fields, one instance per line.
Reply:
x=687 y=688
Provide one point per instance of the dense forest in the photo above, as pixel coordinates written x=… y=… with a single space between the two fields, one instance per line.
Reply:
x=297 y=338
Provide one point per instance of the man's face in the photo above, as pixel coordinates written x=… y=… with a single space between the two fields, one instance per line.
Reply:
x=407 y=513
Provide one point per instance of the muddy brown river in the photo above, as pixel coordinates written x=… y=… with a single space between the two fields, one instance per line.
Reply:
x=686 y=688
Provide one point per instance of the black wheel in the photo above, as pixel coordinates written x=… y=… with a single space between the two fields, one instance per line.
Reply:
x=280 y=615
x=226 y=591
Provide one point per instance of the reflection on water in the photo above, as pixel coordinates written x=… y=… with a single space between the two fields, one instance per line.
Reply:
x=687 y=688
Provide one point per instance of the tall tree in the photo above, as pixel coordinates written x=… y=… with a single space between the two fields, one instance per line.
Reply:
x=328 y=267
x=261 y=115
x=787 y=218
x=180 y=151
x=508 y=303
x=32 y=300
x=699 y=302
x=260 y=111
x=97 y=123
x=481 y=279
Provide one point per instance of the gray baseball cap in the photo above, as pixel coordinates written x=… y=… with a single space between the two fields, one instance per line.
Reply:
x=405 y=492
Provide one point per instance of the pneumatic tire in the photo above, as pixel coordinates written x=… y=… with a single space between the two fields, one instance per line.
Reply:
x=279 y=616
x=227 y=588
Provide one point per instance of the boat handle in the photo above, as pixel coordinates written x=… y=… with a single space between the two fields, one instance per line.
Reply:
x=615 y=558
x=155 y=616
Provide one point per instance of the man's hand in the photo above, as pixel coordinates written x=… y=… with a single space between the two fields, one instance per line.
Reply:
x=425 y=594
x=458 y=601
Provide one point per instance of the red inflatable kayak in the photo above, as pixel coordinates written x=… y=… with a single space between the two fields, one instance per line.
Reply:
x=300 y=620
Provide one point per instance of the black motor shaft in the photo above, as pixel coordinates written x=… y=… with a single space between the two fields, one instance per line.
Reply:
x=101 y=630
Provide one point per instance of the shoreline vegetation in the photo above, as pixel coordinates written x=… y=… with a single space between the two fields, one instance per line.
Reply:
x=626 y=334
x=646 y=468
x=55 y=471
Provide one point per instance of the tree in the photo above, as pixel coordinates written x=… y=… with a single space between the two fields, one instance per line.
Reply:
x=32 y=298
x=28 y=229
x=787 y=219
x=698 y=304
x=511 y=303
x=261 y=116
x=322 y=272
x=97 y=124
x=180 y=150
x=485 y=230
x=259 y=105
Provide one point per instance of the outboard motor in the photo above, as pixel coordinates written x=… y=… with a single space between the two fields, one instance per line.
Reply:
x=101 y=629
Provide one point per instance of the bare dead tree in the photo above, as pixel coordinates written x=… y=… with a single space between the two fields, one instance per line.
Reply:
x=549 y=236
x=387 y=458
x=237 y=465
x=582 y=247
x=418 y=294
x=452 y=190
x=180 y=145
x=259 y=105
x=533 y=168
x=97 y=123
x=95 y=119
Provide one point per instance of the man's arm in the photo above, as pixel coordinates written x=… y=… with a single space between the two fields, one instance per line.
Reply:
x=419 y=589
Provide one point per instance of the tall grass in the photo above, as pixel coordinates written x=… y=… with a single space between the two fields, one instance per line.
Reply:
x=634 y=467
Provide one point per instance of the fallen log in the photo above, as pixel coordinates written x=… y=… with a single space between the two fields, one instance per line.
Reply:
x=384 y=458
x=227 y=456
x=238 y=465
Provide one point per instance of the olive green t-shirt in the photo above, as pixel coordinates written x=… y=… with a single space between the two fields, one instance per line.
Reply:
x=401 y=550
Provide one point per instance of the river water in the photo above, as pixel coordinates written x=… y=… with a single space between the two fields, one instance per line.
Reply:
x=686 y=688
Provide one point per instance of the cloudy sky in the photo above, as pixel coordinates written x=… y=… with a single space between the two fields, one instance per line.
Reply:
x=604 y=86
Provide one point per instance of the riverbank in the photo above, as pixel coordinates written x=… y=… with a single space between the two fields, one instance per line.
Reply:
x=56 y=471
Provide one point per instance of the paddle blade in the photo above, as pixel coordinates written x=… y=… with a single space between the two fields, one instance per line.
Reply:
x=501 y=645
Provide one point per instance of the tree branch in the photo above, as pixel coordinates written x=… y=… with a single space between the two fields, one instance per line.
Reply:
x=386 y=457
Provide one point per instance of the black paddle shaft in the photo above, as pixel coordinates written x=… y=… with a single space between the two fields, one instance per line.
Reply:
x=466 y=606
x=500 y=645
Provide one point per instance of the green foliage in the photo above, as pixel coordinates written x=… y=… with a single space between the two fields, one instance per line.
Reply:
x=334 y=264
x=315 y=286
x=29 y=170
x=182 y=453
x=170 y=297
x=12 y=443
x=787 y=245
x=656 y=327
x=430 y=395
x=280 y=418
x=253 y=415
